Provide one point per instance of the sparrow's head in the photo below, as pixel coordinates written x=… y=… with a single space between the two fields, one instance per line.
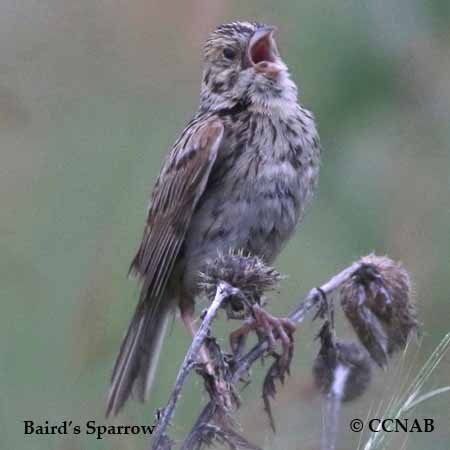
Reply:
x=242 y=62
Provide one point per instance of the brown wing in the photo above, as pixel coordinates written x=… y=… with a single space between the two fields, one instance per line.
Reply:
x=179 y=186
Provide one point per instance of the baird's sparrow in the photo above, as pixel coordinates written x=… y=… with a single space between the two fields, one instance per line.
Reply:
x=238 y=178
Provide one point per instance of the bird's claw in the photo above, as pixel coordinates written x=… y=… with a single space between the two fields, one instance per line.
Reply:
x=267 y=327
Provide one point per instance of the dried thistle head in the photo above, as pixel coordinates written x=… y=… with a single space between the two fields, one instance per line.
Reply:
x=217 y=427
x=249 y=274
x=342 y=367
x=377 y=301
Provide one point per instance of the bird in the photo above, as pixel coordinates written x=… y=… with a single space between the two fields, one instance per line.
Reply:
x=239 y=177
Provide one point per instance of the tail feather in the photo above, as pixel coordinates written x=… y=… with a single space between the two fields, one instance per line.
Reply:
x=135 y=366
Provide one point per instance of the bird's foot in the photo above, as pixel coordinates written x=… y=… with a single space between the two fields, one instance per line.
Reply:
x=267 y=327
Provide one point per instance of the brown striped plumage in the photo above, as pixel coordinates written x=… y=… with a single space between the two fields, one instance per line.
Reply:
x=238 y=178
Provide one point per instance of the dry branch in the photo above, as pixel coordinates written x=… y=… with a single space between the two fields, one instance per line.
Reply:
x=372 y=290
x=160 y=439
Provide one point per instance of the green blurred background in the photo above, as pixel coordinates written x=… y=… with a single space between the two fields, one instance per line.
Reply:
x=93 y=93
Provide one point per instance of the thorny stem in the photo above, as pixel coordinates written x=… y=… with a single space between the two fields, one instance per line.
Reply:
x=297 y=315
x=313 y=299
x=160 y=440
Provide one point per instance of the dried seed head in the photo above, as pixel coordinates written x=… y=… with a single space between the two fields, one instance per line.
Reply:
x=342 y=367
x=247 y=273
x=217 y=428
x=377 y=302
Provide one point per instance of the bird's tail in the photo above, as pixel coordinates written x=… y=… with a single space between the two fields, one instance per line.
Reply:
x=135 y=366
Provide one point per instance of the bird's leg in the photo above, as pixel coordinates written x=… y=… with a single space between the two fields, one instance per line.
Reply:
x=239 y=336
x=280 y=328
x=271 y=327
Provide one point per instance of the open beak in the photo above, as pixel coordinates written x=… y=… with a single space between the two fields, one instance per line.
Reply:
x=262 y=52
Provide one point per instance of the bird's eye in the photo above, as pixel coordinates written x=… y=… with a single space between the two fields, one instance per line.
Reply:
x=229 y=53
